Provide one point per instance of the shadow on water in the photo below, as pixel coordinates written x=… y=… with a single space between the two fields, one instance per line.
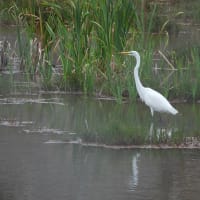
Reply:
x=34 y=170
x=79 y=119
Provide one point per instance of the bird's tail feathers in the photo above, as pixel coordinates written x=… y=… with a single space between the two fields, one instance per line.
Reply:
x=174 y=111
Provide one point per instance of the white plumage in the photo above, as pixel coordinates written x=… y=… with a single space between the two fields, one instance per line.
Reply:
x=152 y=98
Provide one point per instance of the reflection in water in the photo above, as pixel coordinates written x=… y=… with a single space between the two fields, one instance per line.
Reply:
x=163 y=131
x=101 y=122
x=158 y=133
x=35 y=158
x=151 y=132
x=34 y=169
x=135 y=172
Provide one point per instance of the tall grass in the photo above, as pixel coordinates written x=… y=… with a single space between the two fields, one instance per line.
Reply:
x=188 y=77
x=84 y=38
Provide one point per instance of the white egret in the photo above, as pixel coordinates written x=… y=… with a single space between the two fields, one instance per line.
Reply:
x=153 y=99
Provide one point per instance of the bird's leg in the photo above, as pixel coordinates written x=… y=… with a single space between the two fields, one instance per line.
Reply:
x=151 y=111
x=151 y=133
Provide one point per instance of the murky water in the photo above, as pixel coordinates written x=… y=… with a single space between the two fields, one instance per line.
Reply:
x=38 y=162
x=31 y=169
x=82 y=119
x=58 y=146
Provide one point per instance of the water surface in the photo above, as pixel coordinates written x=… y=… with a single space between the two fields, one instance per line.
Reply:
x=43 y=142
x=31 y=169
x=38 y=162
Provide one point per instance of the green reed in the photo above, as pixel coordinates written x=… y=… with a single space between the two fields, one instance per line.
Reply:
x=195 y=53
x=186 y=78
x=84 y=37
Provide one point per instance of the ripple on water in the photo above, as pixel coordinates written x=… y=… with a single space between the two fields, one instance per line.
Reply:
x=45 y=130
x=15 y=123
x=16 y=101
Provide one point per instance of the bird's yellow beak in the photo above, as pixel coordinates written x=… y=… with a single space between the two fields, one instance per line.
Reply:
x=125 y=52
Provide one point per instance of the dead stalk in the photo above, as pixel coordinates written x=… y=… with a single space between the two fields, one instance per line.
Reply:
x=167 y=61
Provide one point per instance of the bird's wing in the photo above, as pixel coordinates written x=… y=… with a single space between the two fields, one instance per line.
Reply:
x=156 y=101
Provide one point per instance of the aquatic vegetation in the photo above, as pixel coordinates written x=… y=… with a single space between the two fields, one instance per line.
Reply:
x=4 y=54
x=74 y=45
x=83 y=38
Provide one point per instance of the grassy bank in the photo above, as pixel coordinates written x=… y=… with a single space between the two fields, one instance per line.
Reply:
x=74 y=46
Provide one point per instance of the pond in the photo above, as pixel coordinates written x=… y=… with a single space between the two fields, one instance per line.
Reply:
x=95 y=121
x=32 y=169
x=69 y=146
x=44 y=152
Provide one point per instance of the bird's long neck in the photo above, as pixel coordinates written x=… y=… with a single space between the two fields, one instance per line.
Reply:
x=138 y=83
